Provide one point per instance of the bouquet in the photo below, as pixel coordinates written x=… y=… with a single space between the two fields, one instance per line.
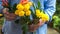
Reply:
x=24 y=12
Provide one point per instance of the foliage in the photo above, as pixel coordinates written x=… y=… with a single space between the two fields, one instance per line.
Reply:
x=57 y=8
x=56 y=17
x=56 y=22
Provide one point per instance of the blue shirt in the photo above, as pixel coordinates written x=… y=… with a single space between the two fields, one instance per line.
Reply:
x=9 y=27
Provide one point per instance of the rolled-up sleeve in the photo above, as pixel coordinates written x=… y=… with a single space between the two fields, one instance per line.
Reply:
x=1 y=7
x=50 y=8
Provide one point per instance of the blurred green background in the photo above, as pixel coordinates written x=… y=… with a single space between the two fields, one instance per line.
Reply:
x=56 y=17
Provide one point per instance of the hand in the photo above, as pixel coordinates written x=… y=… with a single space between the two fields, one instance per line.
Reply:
x=8 y=16
x=33 y=27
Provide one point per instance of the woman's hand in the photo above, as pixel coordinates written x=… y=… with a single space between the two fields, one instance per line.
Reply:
x=8 y=16
x=33 y=27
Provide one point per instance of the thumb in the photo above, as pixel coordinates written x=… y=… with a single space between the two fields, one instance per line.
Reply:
x=5 y=11
x=40 y=21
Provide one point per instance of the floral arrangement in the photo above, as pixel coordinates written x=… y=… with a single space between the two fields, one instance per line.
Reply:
x=24 y=12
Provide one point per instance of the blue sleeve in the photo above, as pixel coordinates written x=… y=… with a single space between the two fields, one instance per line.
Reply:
x=50 y=8
x=1 y=7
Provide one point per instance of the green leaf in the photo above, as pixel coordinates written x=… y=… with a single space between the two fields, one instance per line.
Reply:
x=14 y=7
x=33 y=14
x=39 y=5
x=34 y=6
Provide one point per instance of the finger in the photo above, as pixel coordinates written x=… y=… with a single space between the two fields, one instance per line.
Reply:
x=5 y=11
x=31 y=29
x=12 y=15
x=12 y=18
x=9 y=18
x=41 y=22
x=35 y=27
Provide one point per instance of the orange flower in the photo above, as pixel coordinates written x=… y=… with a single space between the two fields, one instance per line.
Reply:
x=24 y=1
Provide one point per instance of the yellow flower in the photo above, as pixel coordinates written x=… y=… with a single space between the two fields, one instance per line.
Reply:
x=45 y=17
x=38 y=13
x=21 y=13
x=41 y=14
x=17 y=12
x=26 y=7
x=1 y=15
x=20 y=7
x=30 y=3
x=28 y=13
